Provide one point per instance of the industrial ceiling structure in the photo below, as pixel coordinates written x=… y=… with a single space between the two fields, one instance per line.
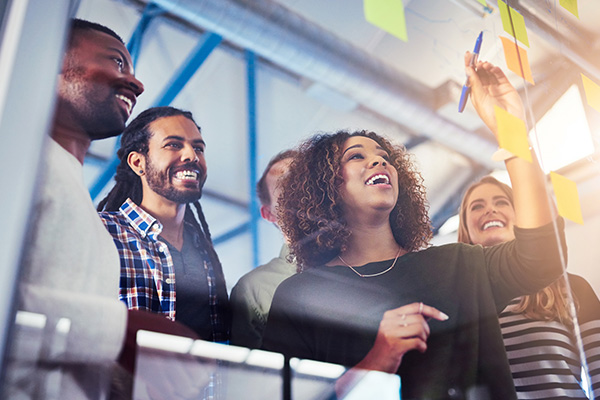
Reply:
x=261 y=75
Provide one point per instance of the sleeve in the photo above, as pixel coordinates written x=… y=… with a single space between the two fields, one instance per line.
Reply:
x=527 y=264
x=245 y=328
x=285 y=323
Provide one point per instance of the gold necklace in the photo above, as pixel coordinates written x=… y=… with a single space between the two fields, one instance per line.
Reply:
x=371 y=275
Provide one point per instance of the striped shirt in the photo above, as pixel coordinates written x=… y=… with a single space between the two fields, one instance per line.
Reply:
x=147 y=272
x=543 y=356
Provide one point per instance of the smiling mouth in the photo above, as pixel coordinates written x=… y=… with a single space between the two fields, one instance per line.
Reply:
x=492 y=224
x=379 y=179
x=127 y=101
x=186 y=175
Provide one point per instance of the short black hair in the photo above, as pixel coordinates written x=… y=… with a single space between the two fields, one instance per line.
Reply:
x=80 y=25
x=261 y=186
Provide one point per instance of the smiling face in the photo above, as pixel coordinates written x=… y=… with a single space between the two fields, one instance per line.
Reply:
x=489 y=215
x=370 y=182
x=97 y=89
x=175 y=167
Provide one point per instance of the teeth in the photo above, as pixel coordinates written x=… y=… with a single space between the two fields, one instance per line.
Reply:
x=493 y=224
x=126 y=100
x=186 y=175
x=374 y=178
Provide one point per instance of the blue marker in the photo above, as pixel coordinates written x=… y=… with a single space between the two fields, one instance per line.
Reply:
x=464 y=95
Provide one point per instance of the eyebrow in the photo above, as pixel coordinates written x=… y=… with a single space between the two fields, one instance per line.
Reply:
x=501 y=196
x=182 y=139
x=361 y=146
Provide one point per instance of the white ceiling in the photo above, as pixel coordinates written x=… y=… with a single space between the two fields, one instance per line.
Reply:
x=439 y=32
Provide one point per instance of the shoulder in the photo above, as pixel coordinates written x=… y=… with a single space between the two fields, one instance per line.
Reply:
x=113 y=219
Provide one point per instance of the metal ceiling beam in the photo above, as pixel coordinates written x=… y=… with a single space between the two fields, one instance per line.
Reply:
x=283 y=37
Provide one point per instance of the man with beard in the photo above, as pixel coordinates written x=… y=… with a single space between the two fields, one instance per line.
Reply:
x=168 y=263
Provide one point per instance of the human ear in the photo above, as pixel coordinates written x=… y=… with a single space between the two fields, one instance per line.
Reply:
x=137 y=162
x=266 y=213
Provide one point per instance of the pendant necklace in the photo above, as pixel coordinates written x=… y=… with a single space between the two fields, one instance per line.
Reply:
x=371 y=275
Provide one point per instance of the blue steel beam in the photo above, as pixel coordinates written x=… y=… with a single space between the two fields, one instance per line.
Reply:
x=251 y=93
x=135 y=42
x=207 y=43
x=238 y=230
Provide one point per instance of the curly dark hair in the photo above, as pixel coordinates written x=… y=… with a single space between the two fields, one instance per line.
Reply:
x=310 y=209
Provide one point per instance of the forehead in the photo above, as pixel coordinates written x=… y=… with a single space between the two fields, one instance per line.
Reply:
x=177 y=125
x=358 y=141
x=486 y=191
x=94 y=40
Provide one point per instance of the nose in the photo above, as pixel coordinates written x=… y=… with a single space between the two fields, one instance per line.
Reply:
x=189 y=154
x=135 y=85
x=378 y=160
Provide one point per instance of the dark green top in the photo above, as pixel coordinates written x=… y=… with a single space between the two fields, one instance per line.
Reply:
x=331 y=314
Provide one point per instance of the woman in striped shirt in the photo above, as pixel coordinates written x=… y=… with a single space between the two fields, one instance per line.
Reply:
x=539 y=331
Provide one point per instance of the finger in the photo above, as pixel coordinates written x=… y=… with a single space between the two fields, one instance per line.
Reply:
x=415 y=344
x=432 y=312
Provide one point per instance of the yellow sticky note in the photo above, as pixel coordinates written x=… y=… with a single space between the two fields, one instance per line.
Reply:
x=387 y=15
x=516 y=59
x=567 y=198
x=512 y=134
x=570 y=6
x=482 y=2
x=513 y=22
x=592 y=92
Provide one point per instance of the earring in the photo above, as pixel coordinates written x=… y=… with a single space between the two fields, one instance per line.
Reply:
x=141 y=171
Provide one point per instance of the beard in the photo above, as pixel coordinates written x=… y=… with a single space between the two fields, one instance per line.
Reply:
x=160 y=183
x=92 y=105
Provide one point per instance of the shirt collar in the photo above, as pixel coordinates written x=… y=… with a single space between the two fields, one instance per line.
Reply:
x=140 y=220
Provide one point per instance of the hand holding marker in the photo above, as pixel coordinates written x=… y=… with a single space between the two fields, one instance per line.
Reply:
x=464 y=95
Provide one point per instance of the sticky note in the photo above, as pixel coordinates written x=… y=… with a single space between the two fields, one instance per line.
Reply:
x=482 y=2
x=512 y=134
x=570 y=6
x=592 y=92
x=517 y=28
x=567 y=198
x=516 y=59
x=387 y=15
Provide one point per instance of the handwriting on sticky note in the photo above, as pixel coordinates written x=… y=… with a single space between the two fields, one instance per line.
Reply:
x=513 y=22
x=387 y=15
x=570 y=6
x=512 y=134
x=516 y=59
x=567 y=198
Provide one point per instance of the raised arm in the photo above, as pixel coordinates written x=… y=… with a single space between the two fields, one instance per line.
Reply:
x=490 y=87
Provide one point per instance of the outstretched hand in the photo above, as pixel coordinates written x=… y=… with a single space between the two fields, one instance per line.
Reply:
x=490 y=87
x=401 y=330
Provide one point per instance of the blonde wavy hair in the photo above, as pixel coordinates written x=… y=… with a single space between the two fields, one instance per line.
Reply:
x=550 y=303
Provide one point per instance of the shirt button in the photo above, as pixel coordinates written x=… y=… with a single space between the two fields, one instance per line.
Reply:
x=170 y=281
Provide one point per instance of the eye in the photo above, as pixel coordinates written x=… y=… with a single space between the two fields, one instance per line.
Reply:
x=199 y=149
x=502 y=203
x=476 y=207
x=173 y=145
x=355 y=156
x=119 y=63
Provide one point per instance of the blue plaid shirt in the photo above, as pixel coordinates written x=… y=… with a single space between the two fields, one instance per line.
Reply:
x=147 y=272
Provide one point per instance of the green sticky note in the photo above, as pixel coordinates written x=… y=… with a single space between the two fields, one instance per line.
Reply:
x=387 y=15
x=570 y=6
x=512 y=134
x=567 y=198
x=518 y=22
x=592 y=92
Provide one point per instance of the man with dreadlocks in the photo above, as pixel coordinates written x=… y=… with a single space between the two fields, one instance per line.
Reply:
x=168 y=263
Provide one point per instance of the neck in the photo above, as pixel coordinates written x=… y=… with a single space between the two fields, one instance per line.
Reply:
x=370 y=243
x=74 y=141
x=170 y=215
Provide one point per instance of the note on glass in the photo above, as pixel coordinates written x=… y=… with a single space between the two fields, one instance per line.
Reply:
x=482 y=2
x=567 y=198
x=570 y=6
x=518 y=22
x=387 y=15
x=592 y=92
x=512 y=134
x=516 y=56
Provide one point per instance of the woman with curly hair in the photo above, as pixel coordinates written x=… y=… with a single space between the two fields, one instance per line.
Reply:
x=370 y=291
x=537 y=328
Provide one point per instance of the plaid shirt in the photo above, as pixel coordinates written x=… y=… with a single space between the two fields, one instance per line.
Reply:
x=147 y=272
